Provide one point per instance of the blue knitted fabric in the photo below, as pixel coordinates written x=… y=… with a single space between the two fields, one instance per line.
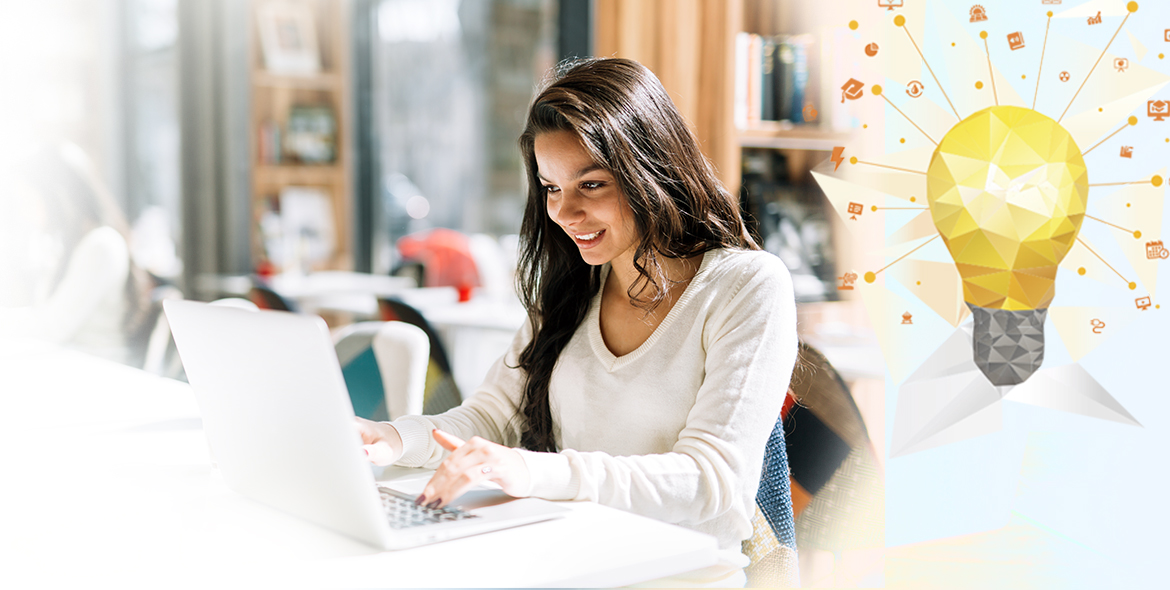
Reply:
x=774 y=496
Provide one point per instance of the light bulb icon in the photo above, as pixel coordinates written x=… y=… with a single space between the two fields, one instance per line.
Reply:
x=1007 y=189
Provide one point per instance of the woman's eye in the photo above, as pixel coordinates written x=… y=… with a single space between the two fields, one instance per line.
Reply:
x=548 y=188
x=592 y=185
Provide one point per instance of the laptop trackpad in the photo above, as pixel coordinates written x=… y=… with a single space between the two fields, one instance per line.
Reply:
x=481 y=499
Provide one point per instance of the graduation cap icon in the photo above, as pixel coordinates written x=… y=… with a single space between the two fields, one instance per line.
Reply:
x=852 y=90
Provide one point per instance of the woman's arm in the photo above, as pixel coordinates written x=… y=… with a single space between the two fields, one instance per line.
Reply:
x=490 y=413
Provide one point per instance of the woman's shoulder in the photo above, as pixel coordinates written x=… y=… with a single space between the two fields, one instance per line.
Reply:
x=734 y=265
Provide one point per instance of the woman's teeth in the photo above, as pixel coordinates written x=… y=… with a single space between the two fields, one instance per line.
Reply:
x=588 y=237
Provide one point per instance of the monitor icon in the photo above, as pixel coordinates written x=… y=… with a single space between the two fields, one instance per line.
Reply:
x=890 y=4
x=1158 y=109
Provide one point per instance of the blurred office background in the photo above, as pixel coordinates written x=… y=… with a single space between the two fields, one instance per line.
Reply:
x=248 y=142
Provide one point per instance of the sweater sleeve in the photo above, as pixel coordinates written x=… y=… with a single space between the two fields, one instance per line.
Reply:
x=490 y=413
x=714 y=467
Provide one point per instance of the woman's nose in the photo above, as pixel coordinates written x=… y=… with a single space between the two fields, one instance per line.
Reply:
x=568 y=209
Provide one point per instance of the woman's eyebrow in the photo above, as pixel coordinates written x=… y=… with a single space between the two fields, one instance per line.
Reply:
x=590 y=168
x=582 y=172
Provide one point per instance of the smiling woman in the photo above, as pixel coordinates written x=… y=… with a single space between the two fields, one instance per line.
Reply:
x=660 y=340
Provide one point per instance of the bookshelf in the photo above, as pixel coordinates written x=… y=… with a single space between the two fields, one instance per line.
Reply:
x=780 y=135
x=299 y=130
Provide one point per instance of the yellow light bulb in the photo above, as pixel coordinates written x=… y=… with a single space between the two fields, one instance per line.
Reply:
x=1007 y=189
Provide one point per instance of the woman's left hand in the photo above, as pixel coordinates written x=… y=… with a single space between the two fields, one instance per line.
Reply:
x=470 y=463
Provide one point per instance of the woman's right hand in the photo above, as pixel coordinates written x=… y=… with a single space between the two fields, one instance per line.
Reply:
x=381 y=441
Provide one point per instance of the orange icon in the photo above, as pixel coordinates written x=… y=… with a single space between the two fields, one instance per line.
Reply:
x=1121 y=64
x=1142 y=303
x=891 y=4
x=906 y=318
x=1158 y=109
x=1064 y=76
x=837 y=157
x=852 y=90
x=1016 y=40
x=1098 y=325
x=855 y=209
x=871 y=49
x=978 y=14
x=914 y=89
x=1167 y=35
x=847 y=281
x=1127 y=151
x=810 y=113
x=1155 y=250
x=1095 y=20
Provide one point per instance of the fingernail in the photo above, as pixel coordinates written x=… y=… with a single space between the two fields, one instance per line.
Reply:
x=434 y=504
x=367 y=451
x=420 y=499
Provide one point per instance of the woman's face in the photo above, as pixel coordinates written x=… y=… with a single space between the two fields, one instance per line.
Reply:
x=584 y=200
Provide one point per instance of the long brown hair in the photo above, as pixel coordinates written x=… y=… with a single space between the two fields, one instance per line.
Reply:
x=628 y=124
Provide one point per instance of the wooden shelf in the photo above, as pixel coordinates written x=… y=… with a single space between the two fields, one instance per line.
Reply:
x=322 y=81
x=273 y=98
x=786 y=136
x=297 y=174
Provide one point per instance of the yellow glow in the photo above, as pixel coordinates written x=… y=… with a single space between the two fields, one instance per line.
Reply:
x=1007 y=189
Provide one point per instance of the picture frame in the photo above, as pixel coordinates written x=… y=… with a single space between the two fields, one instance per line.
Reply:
x=288 y=37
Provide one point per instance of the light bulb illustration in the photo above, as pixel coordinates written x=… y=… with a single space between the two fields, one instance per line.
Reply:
x=1007 y=189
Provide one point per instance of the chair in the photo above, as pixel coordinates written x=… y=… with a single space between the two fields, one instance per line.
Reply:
x=837 y=487
x=162 y=358
x=159 y=343
x=265 y=298
x=772 y=546
x=441 y=392
x=384 y=365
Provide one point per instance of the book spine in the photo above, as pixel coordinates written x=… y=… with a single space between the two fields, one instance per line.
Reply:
x=768 y=107
x=755 y=76
x=784 y=81
x=742 y=44
x=799 y=78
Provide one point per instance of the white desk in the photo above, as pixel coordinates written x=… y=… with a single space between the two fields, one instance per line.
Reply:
x=109 y=481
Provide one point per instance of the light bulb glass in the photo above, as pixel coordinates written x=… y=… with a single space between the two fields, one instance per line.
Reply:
x=1007 y=189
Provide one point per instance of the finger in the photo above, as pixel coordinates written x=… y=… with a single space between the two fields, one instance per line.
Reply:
x=380 y=453
x=445 y=440
x=458 y=487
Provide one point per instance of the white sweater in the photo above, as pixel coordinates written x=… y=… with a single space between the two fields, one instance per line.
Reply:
x=674 y=430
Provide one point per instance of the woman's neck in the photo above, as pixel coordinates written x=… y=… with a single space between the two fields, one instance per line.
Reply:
x=679 y=272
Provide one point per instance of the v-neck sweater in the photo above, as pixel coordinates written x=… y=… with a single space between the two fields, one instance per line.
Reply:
x=674 y=430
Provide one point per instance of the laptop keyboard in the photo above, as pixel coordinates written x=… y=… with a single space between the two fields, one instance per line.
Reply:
x=402 y=512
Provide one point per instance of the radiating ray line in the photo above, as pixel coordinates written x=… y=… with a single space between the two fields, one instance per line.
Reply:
x=931 y=70
x=890 y=167
x=991 y=71
x=909 y=119
x=1121 y=183
x=1110 y=224
x=1086 y=152
x=1082 y=242
x=1103 y=51
x=907 y=254
x=1042 y=51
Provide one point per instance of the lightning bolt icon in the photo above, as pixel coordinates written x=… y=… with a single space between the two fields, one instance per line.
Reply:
x=837 y=157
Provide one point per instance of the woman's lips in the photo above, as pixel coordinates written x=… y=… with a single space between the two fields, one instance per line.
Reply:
x=589 y=240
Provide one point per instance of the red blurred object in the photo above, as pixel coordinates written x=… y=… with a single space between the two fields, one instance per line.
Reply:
x=464 y=293
x=446 y=258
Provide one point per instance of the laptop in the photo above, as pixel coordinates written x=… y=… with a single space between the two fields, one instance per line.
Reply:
x=280 y=425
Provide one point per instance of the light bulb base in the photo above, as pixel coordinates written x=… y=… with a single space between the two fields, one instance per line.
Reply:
x=1008 y=345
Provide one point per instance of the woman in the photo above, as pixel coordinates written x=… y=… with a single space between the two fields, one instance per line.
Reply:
x=78 y=285
x=660 y=340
